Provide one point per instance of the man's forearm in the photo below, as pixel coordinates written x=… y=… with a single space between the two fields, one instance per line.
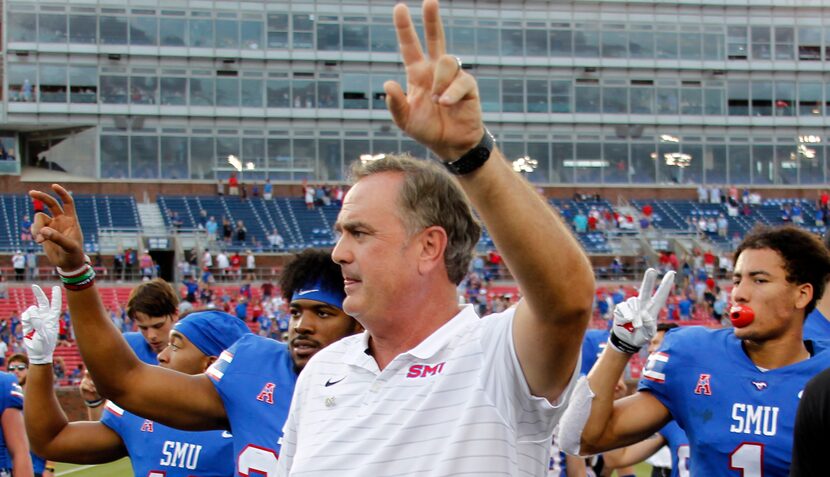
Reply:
x=602 y=379
x=42 y=414
x=552 y=271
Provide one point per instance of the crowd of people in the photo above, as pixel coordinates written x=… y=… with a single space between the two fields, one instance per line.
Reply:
x=383 y=372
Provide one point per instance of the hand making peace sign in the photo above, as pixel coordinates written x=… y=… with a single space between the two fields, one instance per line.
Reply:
x=59 y=234
x=441 y=108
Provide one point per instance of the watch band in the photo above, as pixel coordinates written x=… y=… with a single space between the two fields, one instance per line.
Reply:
x=475 y=157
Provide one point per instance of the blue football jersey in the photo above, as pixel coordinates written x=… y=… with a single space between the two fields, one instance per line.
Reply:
x=739 y=419
x=11 y=396
x=141 y=348
x=255 y=378
x=159 y=451
x=679 y=448
x=592 y=346
x=816 y=326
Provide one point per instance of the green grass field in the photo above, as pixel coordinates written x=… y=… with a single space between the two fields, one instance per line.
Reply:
x=122 y=468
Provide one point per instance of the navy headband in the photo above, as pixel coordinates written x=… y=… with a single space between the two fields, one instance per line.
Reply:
x=317 y=292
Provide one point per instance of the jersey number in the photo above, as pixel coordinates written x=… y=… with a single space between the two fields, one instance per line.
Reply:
x=749 y=459
x=257 y=459
x=157 y=473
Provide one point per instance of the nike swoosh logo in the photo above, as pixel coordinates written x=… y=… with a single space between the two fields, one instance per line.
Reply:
x=306 y=292
x=226 y=434
x=330 y=382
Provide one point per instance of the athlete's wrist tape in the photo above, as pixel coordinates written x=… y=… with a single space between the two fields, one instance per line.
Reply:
x=621 y=345
x=95 y=403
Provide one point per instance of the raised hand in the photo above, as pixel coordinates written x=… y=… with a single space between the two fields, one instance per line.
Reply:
x=87 y=388
x=635 y=319
x=441 y=108
x=40 y=326
x=59 y=234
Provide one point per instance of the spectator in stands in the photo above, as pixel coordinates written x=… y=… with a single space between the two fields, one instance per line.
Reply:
x=31 y=265
x=227 y=230
x=185 y=306
x=117 y=318
x=175 y=220
x=685 y=306
x=308 y=191
x=222 y=264
x=25 y=230
x=276 y=240
x=786 y=213
x=118 y=264
x=233 y=185
x=648 y=211
x=797 y=214
x=702 y=194
x=711 y=226
x=4 y=287
x=337 y=195
x=709 y=259
x=59 y=368
x=19 y=265
x=147 y=265
x=580 y=222
x=130 y=262
x=207 y=259
x=733 y=194
x=723 y=226
x=205 y=279
x=241 y=308
x=267 y=190
x=714 y=195
x=236 y=265
x=241 y=232
x=250 y=266
x=211 y=227
x=201 y=221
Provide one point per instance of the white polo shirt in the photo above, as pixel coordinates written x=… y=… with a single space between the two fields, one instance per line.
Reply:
x=456 y=404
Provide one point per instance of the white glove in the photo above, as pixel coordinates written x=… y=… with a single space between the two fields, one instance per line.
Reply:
x=40 y=326
x=635 y=319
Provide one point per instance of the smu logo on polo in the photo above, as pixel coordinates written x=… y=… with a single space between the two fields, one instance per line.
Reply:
x=425 y=370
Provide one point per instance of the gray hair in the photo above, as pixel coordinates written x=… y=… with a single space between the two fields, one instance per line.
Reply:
x=430 y=196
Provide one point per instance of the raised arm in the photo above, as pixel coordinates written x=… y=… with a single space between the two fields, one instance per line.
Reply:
x=595 y=422
x=50 y=433
x=169 y=397
x=442 y=110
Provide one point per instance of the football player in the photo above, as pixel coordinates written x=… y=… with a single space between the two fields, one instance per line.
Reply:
x=154 y=449
x=733 y=391
x=248 y=389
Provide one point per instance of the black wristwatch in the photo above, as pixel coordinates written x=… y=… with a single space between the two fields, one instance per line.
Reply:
x=475 y=157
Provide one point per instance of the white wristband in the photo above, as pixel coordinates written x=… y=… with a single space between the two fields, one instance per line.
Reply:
x=87 y=263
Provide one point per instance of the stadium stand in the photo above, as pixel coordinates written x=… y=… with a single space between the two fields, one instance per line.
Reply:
x=94 y=211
